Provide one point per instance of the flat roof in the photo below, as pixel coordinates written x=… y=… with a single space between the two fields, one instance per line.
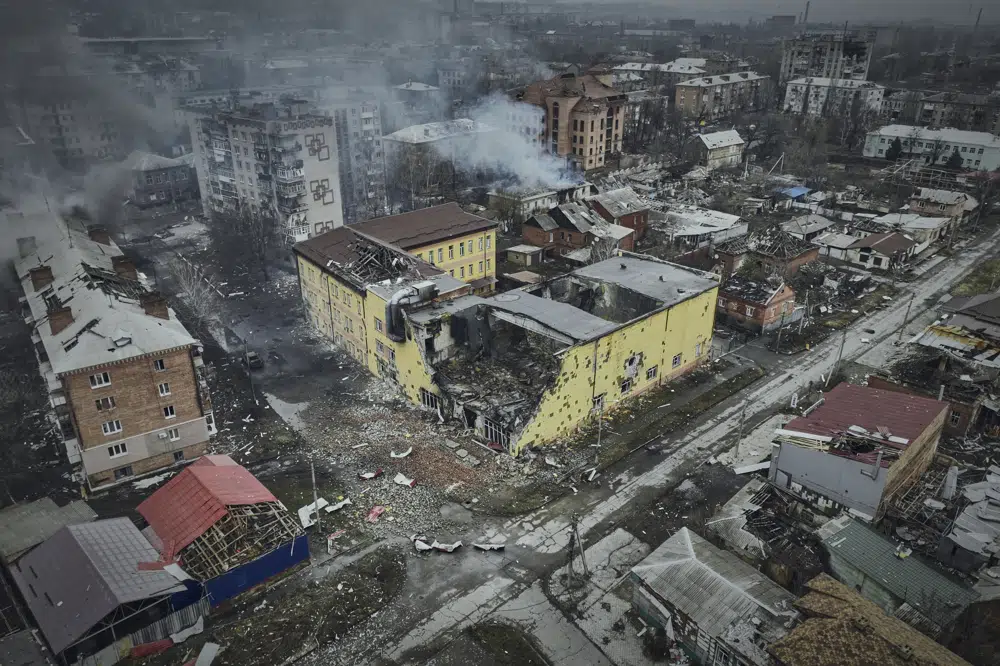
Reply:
x=562 y=318
x=946 y=134
x=721 y=139
x=723 y=79
x=660 y=280
x=524 y=249
x=430 y=132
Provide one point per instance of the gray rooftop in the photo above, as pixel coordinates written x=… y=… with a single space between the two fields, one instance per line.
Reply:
x=21 y=649
x=24 y=526
x=929 y=591
x=87 y=571
x=561 y=318
x=719 y=592
x=668 y=283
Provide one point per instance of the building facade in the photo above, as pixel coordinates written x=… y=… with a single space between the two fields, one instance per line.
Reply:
x=360 y=156
x=157 y=180
x=819 y=96
x=125 y=378
x=718 y=150
x=834 y=55
x=583 y=117
x=979 y=151
x=756 y=306
x=713 y=97
x=280 y=158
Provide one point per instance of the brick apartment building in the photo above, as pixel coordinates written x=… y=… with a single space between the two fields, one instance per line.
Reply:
x=713 y=97
x=622 y=206
x=124 y=375
x=756 y=305
x=570 y=227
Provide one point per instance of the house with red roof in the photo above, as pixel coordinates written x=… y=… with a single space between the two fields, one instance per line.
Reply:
x=225 y=529
x=859 y=449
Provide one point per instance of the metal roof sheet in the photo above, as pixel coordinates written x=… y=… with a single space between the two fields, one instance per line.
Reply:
x=905 y=416
x=717 y=590
x=24 y=526
x=195 y=499
x=909 y=579
x=83 y=572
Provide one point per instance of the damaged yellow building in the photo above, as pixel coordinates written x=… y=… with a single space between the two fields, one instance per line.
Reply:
x=521 y=368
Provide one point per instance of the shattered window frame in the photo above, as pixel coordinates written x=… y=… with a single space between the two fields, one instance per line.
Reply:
x=626 y=386
x=652 y=372
x=676 y=362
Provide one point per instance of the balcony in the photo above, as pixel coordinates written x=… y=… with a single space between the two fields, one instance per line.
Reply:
x=290 y=189
x=285 y=175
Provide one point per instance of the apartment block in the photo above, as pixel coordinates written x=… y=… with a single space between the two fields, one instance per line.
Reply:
x=360 y=155
x=980 y=151
x=833 y=55
x=280 y=157
x=713 y=97
x=819 y=96
x=124 y=376
x=583 y=117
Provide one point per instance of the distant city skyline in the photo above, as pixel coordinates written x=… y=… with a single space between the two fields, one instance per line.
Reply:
x=825 y=11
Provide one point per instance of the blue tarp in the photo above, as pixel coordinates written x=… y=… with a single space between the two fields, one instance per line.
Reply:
x=794 y=192
x=242 y=578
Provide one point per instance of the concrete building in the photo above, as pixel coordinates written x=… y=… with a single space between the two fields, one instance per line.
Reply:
x=777 y=252
x=281 y=158
x=637 y=322
x=882 y=251
x=821 y=96
x=943 y=203
x=714 y=97
x=358 y=124
x=807 y=227
x=964 y=111
x=124 y=376
x=842 y=628
x=653 y=75
x=833 y=55
x=921 y=229
x=521 y=203
x=902 y=106
x=157 y=180
x=980 y=151
x=859 y=449
x=718 y=150
x=583 y=120
x=756 y=305
x=721 y=609
x=692 y=226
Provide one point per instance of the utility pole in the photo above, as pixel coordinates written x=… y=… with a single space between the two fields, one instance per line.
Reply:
x=840 y=354
x=739 y=433
x=319 y=527
x=802 y=322
x=579 y=544
x=905 y=317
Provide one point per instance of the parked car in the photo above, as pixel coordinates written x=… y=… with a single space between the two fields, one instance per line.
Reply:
x=253 y=360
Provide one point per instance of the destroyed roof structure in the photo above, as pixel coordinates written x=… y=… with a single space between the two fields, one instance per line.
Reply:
x=751 y=291
x=974 y=538
x=620 y=201
x=24 y=526
x=713 y=595
x=91 y=284
x=807 y=227
x=770 y=242
x=841 y=628
x=695 y=225
x=142 y=161
x=216 y=517
x=888 y=575
x=439 y=131
x=76 y=579
x=583 y=87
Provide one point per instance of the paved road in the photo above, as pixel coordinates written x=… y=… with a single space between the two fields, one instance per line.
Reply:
x=477 y=586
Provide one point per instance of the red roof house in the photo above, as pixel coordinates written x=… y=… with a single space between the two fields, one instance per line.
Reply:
x=216 y=517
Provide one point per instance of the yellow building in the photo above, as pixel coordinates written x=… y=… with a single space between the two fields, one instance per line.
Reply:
x=459 y=243
x=521 y=368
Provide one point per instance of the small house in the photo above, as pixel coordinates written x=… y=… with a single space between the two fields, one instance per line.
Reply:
x=756 y=305
x=718 y=150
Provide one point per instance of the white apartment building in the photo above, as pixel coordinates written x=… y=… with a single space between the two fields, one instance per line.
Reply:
x=821 y=96
x=280 y=157
x=360 y=155
x=980 y=151
x=834 y=55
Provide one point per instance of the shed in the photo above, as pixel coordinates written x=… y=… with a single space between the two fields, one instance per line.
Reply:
x=525 y=255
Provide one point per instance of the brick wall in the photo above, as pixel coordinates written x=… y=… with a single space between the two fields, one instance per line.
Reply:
x=151 y=464
x=562 y=240
x=138 y=405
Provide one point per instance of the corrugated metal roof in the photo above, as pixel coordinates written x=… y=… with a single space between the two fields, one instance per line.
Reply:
x=195 y=499
x=83 y=572
x=905 y=416
x=925 y=589
x=717 y=590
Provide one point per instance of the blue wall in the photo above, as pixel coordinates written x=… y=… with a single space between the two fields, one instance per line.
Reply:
x=253 y=573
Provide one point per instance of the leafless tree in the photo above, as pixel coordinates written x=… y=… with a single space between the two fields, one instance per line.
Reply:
x=603 y=247
x=192 y=288
x=245 y=237
x=509 y=209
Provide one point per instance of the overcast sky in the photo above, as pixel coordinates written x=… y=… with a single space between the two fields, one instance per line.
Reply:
x=887 y=11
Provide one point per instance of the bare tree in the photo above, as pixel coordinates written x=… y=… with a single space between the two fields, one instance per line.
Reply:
x=509 y=209
x=200 y=298
x=603 y=247
x=245 y=237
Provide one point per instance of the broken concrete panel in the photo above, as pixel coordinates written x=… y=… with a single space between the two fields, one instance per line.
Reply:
x=462 y=453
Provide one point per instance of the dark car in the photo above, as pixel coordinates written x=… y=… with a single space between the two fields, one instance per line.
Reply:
x=253 y=360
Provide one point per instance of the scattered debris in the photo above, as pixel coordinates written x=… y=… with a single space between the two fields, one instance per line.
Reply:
x=339 y=505
x=446 y=547
x=307 y=514
x=368 y=476
x=489 y=546
x=401 y=455
x=400 y=479
x=360 y=446
x=551 y=462
x=375 y=513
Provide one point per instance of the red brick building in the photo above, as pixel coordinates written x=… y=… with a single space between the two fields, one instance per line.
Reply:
x=778 y=252
x=124 y=375
x=756 y=305
x=623 y=207
x=570 y=227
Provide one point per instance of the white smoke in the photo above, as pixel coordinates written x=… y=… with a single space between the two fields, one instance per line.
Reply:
x=513 y=151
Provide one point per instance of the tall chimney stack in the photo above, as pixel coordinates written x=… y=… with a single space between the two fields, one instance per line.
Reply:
x=99 y=234
x=60 y=318
x=124 y=267
x=155 y=305
x=41 y=277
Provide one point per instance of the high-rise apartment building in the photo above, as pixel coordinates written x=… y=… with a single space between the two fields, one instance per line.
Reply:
x=714 y=97
x=361 y=156
x=280 y=157
x=832 y=55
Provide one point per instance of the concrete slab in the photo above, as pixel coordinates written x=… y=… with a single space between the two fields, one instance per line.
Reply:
x=462 y=453
x=451 y=444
